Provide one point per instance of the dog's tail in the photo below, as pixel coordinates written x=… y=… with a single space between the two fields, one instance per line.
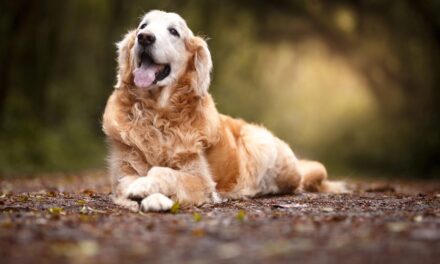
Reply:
x=314 y=179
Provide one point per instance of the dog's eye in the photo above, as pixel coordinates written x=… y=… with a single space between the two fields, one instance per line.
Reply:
x=143 y=26
x=174 y=32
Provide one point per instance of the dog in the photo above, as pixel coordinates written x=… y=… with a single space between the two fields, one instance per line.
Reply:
x=167 y=141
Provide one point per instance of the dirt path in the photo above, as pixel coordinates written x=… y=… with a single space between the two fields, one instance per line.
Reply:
x=70 y=218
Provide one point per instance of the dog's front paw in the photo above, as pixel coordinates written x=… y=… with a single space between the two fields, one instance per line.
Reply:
x=156 y=202
x=142 y=187
x=216 y=198
x=127 y=203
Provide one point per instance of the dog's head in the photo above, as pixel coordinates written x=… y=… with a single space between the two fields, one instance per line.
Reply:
x=161 y=51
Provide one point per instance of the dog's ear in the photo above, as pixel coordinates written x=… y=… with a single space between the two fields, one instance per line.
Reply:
x=125 y=59
x=202 y=65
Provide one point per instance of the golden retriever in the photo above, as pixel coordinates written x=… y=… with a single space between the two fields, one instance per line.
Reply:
x=169 y=143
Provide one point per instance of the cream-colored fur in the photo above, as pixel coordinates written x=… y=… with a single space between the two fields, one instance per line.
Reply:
x=168 y=142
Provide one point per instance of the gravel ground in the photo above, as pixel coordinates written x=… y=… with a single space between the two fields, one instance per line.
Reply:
x=69 y=218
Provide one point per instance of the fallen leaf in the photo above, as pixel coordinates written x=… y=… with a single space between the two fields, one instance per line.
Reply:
x=22 y=198
x=56 y=211
x=197 y=217
x=90 y=193
x=175 y=208
x=240 y=216
x=83 y=210
x=51 y=194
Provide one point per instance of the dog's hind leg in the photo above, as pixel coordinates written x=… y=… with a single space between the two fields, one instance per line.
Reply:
x=292 y=174
x=287 y=169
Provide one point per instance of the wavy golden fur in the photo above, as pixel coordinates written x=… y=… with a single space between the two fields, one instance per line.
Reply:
x=170 y=143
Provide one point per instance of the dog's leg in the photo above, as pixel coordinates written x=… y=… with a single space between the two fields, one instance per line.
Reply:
x=191 y=185
x=309 y=176
x=288 y=174
x=271 y=166
x=120 y=196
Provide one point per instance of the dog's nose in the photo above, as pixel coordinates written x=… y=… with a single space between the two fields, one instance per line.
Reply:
x=146 y=39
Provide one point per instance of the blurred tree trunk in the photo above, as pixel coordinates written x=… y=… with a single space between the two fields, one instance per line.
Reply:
x=13 y=18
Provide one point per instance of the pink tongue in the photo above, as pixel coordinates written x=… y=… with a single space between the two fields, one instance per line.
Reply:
x=144 y=76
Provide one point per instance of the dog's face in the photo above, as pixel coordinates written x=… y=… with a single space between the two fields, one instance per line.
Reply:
x=159 y=52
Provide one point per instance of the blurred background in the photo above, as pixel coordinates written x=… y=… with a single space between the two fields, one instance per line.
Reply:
x=354 y=84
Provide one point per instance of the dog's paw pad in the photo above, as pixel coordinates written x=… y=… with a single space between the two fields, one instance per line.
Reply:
x=156 y=202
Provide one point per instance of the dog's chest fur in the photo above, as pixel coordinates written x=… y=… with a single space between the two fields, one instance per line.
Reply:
x=169 y=136
x=162 y=141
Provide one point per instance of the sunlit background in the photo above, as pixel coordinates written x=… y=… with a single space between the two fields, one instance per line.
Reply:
x=354 y=84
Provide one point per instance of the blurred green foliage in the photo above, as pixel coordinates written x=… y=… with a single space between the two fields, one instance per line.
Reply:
x=353 y=83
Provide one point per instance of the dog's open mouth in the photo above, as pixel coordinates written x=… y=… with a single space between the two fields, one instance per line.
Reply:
x=148 y=72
